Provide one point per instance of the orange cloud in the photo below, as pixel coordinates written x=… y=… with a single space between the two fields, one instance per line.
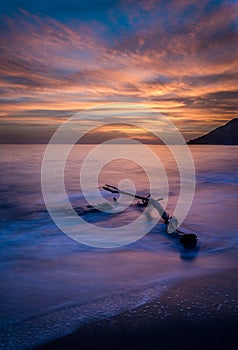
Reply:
x=181 y=61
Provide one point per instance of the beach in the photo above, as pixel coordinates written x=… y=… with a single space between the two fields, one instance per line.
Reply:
x=119 y=175
x=199 y=313
x=151 y=293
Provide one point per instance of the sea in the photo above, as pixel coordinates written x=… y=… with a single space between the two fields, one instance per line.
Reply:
x=53 y=282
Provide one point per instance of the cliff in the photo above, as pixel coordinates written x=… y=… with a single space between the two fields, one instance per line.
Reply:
x=224 y=135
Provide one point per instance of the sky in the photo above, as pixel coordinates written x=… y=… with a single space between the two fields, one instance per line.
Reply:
x=57 y=57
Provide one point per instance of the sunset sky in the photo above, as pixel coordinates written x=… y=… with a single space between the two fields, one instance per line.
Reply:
x=58 y=57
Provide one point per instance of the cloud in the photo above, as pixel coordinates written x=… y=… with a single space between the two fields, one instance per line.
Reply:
x=179 y=57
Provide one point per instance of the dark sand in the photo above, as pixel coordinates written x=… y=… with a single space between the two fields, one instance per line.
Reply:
x=198 y=314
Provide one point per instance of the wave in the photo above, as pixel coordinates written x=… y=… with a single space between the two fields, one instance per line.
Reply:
x=65 y=318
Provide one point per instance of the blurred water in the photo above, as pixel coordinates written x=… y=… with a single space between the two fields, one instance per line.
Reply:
x=51 y=284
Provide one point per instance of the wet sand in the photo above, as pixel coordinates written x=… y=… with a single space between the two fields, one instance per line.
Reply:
x=201 y=313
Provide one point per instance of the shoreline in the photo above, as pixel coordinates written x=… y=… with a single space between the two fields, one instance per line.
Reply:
x=200 y=313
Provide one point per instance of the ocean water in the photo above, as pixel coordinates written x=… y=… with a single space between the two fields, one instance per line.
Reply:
x=52 y=284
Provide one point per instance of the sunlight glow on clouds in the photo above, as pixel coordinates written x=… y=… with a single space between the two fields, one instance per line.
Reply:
x=179 y=57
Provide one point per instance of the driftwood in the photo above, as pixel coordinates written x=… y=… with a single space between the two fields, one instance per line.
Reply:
x=188 y=240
